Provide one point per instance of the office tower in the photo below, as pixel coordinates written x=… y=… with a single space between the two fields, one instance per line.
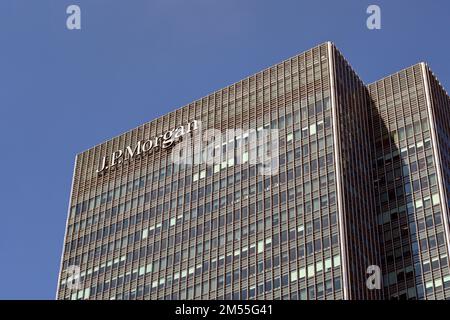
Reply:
x=345 y=195
x=410 y=115
x=148 y=229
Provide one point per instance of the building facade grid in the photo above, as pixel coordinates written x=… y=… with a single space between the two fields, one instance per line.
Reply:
x=152 y=229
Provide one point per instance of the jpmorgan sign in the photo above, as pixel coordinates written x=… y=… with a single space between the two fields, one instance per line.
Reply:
x=145 y=146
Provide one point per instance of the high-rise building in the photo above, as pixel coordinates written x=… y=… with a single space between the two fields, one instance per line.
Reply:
x=411 y=137
x=144 y=225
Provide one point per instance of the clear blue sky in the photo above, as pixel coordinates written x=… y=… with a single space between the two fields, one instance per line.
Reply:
x=64 y=91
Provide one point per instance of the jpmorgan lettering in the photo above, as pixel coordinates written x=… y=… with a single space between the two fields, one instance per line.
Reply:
x=143 y=147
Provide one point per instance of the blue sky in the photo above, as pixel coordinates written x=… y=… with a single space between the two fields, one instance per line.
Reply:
x=64 y=91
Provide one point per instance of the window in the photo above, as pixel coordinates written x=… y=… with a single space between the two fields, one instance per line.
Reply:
x=435 y=198
x=294 y=276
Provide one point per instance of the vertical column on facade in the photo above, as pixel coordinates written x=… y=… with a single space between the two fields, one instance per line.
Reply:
x=337 y=160
x=66 y=228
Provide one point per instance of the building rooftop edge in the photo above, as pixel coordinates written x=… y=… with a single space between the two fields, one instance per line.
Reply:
x=202 y=97
x=248 y=77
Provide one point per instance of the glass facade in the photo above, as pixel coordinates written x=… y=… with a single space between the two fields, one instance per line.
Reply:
x=153 y=229
x=412 y=217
